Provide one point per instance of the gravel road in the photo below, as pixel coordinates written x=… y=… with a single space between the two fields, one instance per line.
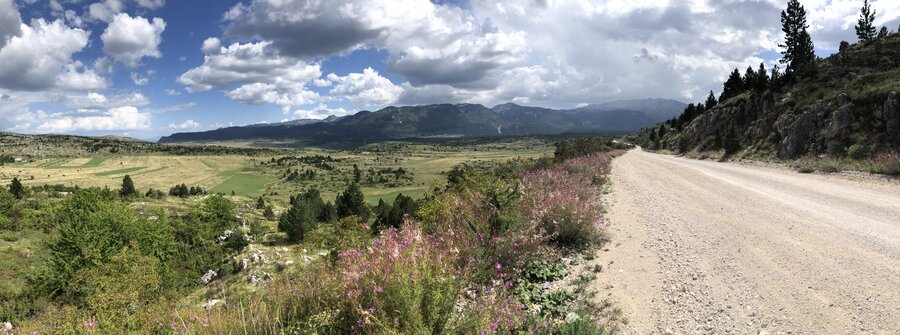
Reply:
x=702 y=247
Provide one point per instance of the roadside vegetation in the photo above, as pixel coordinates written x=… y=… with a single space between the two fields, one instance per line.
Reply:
x=475 y=253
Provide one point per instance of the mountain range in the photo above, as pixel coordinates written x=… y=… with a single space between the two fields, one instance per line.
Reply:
x=451 y=120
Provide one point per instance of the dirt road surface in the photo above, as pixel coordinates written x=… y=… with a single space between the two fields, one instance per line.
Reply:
x=702 y=247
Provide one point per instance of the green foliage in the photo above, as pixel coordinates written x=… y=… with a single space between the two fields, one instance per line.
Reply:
x=260 y=203
x=117 y=291
x=865 y=27
x=94 y=227
x=269 y=213
x=579 y=147
x=127 y=189
x=352 y=202
x=16 y=188
x=299 y=219
x=798 y=46
x=392 y=215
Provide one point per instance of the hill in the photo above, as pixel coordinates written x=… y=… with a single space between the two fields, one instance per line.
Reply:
x=27 y=146
x=846 y=106
x=450 y=120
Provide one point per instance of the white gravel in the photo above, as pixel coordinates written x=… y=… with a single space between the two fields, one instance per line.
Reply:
x=703 y=247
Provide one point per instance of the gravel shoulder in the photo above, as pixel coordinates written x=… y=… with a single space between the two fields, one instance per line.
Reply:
x=702 y=247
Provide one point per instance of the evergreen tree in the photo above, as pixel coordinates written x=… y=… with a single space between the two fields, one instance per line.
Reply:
x=329 y=213
x=127 y=189
x=260 y=203
x=16 y=188
x=732 y=87
x=750 y=80
x=883 y=33
x=865 y=27
x=711 y=100
x=298 y=220
x=269 y=213
x=357 y=174
x=762 y=78
x=798 y=46
x=352 y=202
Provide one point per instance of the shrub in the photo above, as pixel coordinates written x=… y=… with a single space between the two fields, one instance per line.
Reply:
x=565 y=208
x=887 y=162
x=857 y=151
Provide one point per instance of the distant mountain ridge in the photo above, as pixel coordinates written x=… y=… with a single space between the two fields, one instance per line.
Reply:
x=452 y=120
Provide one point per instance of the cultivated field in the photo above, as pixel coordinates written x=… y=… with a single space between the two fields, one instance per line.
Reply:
x=257 y=175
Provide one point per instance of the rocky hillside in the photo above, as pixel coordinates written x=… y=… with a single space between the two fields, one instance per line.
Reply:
x=847 y=105
x=451 y=120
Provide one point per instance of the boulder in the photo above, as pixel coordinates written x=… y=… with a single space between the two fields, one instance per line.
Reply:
x=212 y=303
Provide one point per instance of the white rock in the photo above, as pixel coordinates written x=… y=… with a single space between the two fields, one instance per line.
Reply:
x=211 y=303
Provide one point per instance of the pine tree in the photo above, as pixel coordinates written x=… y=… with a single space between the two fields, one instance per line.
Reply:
x=762 y=78
x=732 y=87
x=749 y=80
x=269 y=213
x=127 y=189
x=883 y=33
x=357 y=174
x=865 y=28
x=798 y=46
x=16 y=188
x=352 y=202
x=711 y=100
x=260 y=203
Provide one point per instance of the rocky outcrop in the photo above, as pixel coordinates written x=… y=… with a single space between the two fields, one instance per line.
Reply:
x=772 y=124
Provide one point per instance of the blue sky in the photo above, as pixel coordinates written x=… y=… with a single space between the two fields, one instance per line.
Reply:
x=147 y=68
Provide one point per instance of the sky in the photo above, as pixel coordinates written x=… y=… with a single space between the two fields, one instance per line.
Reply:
x=148 y=68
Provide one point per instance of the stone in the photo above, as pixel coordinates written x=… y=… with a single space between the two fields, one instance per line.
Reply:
x=208 y=276
x=6 y=328
x=211 y=303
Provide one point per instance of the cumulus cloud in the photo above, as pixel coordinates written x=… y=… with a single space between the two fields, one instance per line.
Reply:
x=427 y=43
x=39 y=57
x=105 y=11
x=10 y=22
x=261 y=73
x=211 y=45
x=119 y=119
x=367 y=88
x=129 y=39
x=189 y=124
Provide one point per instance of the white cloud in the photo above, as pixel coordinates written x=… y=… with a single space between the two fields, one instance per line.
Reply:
x=189 y=124
x=139 y=79
x=262 y=75
x=40 y=58
x=211 y=45
x=427 y=43
x=320 y=112
x=367 y=88
x=172 y=92
x=129 y=39
x=10 y=21
x=118 y=119
x=95 y=101
x=105 y=11
x=151 y=4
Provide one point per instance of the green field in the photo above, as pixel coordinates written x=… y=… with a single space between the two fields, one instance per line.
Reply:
x=120 y=171
x=94 y=162
x=243 y=184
